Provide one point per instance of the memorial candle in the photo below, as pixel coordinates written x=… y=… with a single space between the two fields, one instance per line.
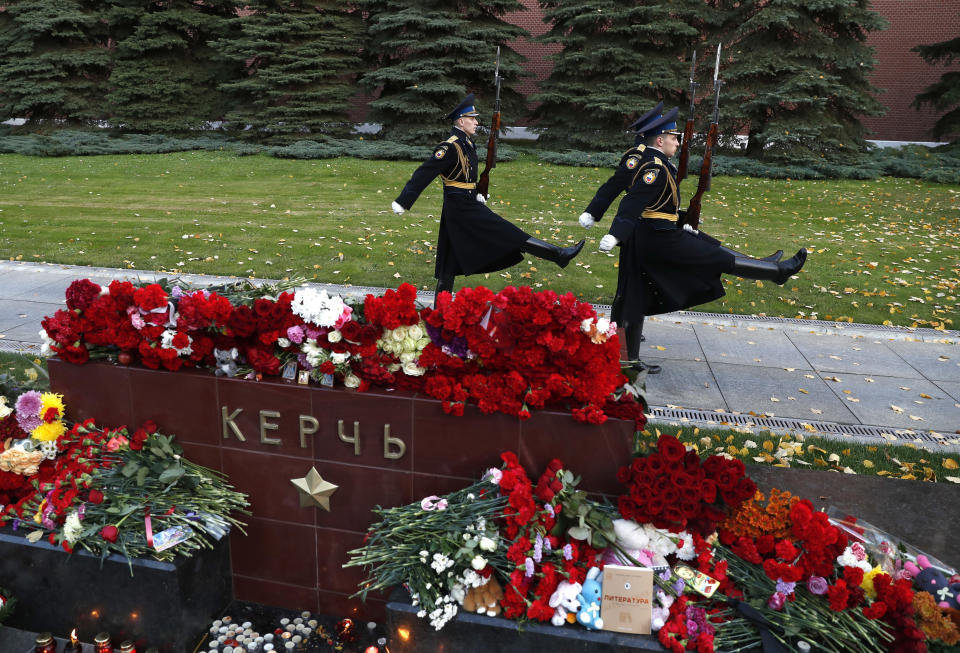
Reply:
x=45 y=643
x=102 y=643
x=73 y=646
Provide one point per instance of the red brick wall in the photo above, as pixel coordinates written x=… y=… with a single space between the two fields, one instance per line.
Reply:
x=903 y=73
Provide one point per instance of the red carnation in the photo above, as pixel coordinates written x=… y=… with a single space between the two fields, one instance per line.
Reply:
x=96 y=496
x=81 y=293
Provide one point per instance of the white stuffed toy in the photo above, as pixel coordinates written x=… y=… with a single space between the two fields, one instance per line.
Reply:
x=564 y=600
x=661 y=610
x=634 y=540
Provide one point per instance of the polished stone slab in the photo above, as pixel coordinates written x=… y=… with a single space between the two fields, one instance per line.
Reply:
x=749 y=346
x=845 y=354
x=778 y=392
x=683 y=383
x=473 y=633
x=897 y=402
x=935 y=361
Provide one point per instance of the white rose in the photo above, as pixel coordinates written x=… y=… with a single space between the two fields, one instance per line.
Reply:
x=415 y=332
x=339 y=359
x=487 y=544
x=422 y=342
x=408 y=357
x=283 y=343
x=478 y=563
x=410 y=344
x=351 y=381
x=393 y=367
x=398 y=334
x=334 y=336
x=412 y=369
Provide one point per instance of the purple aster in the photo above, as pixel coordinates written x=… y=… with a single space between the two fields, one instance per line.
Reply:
x=538 y=549
x=785 y=588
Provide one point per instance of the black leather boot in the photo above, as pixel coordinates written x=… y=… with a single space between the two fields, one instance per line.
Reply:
x=634 y=336
x=559 y=255
x=779 y=272
x=443 y=283
x=775 y=257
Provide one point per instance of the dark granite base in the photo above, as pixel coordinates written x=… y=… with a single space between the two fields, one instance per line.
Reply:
x=919 y=513
x=473 y=633
x=166 y=605
x=14 y=640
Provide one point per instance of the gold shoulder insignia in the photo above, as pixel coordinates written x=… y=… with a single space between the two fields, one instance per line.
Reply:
x=657 y=160
x=452 y=139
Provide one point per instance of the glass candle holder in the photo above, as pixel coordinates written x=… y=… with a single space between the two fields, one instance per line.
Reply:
x=45 y=643
x=102 y=643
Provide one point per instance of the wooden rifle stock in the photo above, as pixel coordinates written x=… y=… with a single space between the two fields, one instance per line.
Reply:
x=483 y=183
x=685 y=150
x=692 y=217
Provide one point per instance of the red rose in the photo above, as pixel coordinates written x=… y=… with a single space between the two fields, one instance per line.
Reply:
x=671 y=448
x=109 y=533
x=327 y=367
x=96 y=496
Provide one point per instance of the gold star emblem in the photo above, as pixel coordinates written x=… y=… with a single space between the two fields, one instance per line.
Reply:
x=314 y=491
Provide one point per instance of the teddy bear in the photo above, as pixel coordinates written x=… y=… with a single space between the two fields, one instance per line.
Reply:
x=632 y=540
x=589 y=599
x=564 y=600
x=928 y=578
x=226 y=361
x=484 y=599
x=661 y=610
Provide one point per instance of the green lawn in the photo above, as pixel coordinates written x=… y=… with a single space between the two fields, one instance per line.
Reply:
x=881 y=251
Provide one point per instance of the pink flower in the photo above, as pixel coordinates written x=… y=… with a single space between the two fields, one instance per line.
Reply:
x=776 y=601
x=116 y=442
x=430 y=502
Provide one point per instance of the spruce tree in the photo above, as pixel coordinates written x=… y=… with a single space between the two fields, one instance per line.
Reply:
x=166 y=76
x=945 y=93
x=619 y=58
x=54 y=61
x=303 y=57
x=795 y=77
x=425 y=55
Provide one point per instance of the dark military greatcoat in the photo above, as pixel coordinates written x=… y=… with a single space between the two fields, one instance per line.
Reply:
x=472 y=239
x=662 y=267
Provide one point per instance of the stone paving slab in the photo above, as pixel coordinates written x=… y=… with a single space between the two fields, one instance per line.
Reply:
x=686 y=384
x=21 y=320
x=749 y=346
x=777 y=392
x=897 y=402
x=952 y=388
x=828 y=353
x=935 y=361
x=671 y=341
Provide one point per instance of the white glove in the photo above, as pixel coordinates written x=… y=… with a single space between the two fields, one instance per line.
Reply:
x=608 y=242
x=481 y=198
x=587 y=220
x=687 y=227
x=399 y=210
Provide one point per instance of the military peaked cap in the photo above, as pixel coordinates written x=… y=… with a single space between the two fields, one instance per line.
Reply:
x=465 y=108
x=665 y=124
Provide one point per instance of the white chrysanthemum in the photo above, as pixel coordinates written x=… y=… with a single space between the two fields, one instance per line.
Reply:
x=4 y=408
x=351 y=381
x=334 y=336
x=166 y=341
x=339 y=358
x=72 y=528
x=315 y=354
x=317 y=307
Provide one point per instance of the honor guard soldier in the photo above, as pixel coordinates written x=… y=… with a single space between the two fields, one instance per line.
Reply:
x=664 y=267
x=472 y=239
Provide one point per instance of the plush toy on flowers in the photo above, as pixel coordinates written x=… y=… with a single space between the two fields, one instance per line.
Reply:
x=39 y=417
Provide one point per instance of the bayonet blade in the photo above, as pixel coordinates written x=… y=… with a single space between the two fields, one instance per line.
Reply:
x=716 y=67
x=693 y=65
x=496 y=73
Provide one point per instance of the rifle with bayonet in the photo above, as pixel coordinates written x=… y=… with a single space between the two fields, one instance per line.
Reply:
x=688 y=128
x=692 y=216
x=483 y=183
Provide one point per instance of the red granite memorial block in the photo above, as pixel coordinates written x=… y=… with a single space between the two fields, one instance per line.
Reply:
x=378 y=447
x=189 y=416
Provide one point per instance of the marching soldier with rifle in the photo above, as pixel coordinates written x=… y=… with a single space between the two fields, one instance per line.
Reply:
x=666 y=263
x=472 y=239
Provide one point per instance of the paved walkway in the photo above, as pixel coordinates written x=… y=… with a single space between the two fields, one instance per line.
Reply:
x=861 y=381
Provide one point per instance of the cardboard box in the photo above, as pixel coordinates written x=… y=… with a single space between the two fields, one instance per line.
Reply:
x=627 y=599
